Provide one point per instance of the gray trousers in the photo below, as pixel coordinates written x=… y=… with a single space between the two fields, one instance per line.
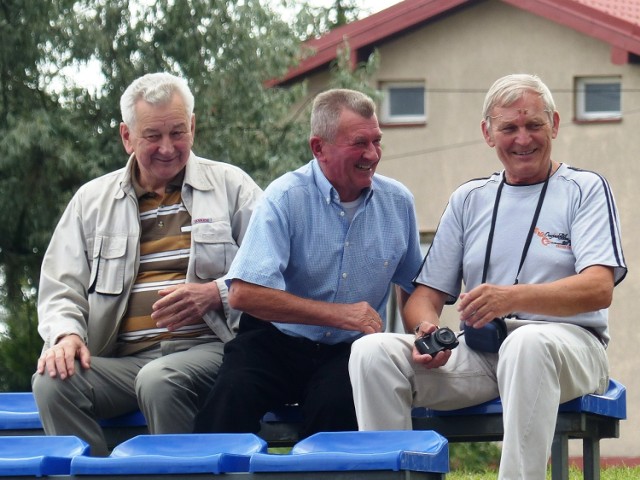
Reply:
x=167 y=383
x=539 y=366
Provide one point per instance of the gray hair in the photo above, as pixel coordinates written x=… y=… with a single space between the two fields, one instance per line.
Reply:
x=328 y=105
x=510 y=88
x=156 y=89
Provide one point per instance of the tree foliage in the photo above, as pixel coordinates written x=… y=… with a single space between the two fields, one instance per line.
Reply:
x=56 y=133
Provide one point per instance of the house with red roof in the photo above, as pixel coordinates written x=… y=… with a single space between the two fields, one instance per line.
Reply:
x=437 y=58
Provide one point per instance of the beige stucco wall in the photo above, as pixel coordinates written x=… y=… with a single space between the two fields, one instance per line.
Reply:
x=458 y=57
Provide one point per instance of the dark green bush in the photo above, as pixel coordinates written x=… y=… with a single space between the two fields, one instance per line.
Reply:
x=474 y=457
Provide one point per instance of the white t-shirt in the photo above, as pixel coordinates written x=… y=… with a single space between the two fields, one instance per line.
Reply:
x=578 y=227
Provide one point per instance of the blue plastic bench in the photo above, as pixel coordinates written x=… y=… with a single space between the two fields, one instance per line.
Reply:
x=181 y=454
x=19 y=416
x=351 y=455
x=18 y=412
x=36 y=456
x=590 y=418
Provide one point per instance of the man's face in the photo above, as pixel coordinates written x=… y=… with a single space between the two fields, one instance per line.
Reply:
x=350 y=160
x=522 y=134
x=161 y=139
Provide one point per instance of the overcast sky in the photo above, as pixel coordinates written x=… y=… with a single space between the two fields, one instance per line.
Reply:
x=87 y=76
x=372 y=6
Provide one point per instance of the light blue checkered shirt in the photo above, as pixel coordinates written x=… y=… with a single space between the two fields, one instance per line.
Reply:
x=300 y=240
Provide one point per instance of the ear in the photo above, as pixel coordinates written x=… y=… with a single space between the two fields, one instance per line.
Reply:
x=193 y=125
x=486 y=133
x=316 y=144
x=125 y=135
x=556 y=125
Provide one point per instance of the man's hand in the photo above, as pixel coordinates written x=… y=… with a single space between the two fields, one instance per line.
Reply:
x=484 y=303
x=185 y=304
x=440 y=358
x=360 y=317
x=59 y=360
x=587 y=291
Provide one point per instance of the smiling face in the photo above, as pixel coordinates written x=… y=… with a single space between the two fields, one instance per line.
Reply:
x=522 y=134
x=161 y=139
x=350 y=159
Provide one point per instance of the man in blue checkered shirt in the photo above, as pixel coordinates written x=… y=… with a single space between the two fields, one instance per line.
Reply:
x=313 y=274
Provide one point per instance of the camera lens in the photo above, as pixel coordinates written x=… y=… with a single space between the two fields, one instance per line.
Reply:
x=445 y=336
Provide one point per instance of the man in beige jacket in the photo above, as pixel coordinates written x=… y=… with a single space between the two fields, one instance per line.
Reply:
x=133 y=305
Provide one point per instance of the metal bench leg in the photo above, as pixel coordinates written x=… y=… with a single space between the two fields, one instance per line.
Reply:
x=591 y=458
x=560 y=457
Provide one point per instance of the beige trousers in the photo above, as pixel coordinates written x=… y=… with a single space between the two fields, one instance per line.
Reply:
x=539 y=366
x=167 y=382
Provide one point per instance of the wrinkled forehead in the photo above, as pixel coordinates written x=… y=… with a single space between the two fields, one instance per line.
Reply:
x=528 y=107
x=523 y=114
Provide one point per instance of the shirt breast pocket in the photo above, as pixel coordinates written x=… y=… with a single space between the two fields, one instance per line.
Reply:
x=382 y=268
x=108 y=267
x=214 y=249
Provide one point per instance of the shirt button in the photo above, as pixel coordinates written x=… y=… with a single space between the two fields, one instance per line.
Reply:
x=344 y=275
x=346 y=244
x=161 y=224
x=342 y=214
x=327 y=334
x=386 y=263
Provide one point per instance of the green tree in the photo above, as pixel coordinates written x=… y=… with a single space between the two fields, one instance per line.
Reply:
x=56 y=134
x=39 y=164
x=314 y=21
x=19 y=343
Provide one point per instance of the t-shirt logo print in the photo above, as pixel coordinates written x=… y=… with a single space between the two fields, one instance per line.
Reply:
x=559 y=240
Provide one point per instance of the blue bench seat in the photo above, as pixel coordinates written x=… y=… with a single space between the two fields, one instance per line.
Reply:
x=180 y=454
x=19 y=417
x=590 y=418
x=342 y=455
x=37 y=456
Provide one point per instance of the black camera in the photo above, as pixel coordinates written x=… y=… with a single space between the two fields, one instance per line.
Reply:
x=436 y=341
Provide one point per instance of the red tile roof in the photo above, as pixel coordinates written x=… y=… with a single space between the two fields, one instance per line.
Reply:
x=616 y=22
x=628 y=10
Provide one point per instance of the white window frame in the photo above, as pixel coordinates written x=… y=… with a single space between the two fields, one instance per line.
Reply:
x=385 y=110
x=581 y=99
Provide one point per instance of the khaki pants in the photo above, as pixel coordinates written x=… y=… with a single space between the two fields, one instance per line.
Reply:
x=539 y=366
x=168 y=383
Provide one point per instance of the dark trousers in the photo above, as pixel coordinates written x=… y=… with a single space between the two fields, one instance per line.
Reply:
x=264 y=368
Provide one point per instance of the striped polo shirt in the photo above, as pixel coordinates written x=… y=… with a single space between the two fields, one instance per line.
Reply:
x=165 y=241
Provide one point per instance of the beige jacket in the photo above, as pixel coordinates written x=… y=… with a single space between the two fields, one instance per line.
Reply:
x=92 y=260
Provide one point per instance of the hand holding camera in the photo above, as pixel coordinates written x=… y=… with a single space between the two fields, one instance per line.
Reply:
x=441 y=339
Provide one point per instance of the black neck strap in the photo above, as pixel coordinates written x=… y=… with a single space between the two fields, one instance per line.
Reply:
x=527 y=242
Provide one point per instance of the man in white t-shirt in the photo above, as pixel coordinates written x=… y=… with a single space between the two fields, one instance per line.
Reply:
x=536 y=245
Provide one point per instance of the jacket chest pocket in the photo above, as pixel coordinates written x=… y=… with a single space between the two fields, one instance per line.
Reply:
x=214 y=249
x=108 y=267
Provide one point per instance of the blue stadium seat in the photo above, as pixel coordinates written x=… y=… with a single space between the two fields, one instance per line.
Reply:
x=612 y=403
x=419 y=451
x=36 y=455
x=175 y=454
x=133 y=419
x=589 y=418
x=18 y=411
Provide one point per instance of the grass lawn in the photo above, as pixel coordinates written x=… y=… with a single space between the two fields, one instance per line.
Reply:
x=609 y=473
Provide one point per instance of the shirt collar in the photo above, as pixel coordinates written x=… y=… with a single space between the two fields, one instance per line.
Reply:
x=329 y=193
x=174 y=184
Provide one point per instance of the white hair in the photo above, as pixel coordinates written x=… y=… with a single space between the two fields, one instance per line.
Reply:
x=156 y=89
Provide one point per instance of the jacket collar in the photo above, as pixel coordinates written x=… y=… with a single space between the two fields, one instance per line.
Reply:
x=193 y=176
